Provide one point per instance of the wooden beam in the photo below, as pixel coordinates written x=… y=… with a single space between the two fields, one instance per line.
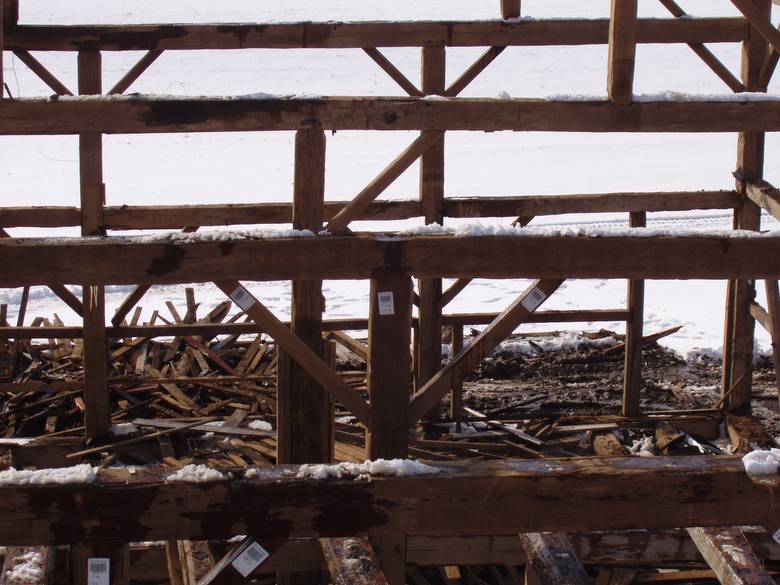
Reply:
x=454 y=290
x=387 y=66
x=97 y=402
x=135 y=72
x=730 y=556
x=44 y=74
x=740 y=325
x=764 y=195
x=597 y=494
x=773 y=309
x=622 y=51
x=456 y=401
x=389 y=364
x=298 y=350
x=755 y=13
x=91 y=150
x=474 y=70
x=141 y=115
x=352 y=561
x=27 y=566
x=304 y=409
x=551 y=559
x=705 y=54
x=68 y=298
x=632 y=370
x=463 y=363
x=128 y=304
x=365 y=35
x=2 y=48
x=377 y=186
x=123 y=260
x=510 y=9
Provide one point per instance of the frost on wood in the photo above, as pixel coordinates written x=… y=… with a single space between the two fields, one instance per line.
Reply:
x=366 y=470
x=260 y=425
x=83 y=473
x=195 y=474
x=762 y=466
x=27 y=568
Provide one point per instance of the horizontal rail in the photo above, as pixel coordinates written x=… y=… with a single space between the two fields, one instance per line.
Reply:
x=637 y=254
x=341 y=35
x=149 y=115
x=178 y=216
x=567 y=495
x=328 y=325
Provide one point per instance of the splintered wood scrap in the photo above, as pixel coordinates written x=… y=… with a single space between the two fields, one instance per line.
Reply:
x=352 y=561
x=646 y=340
x=523 y=436
x=201 y=425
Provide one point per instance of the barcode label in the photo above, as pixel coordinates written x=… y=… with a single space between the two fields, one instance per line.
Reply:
x=386 y=303
x=243 y=298
x=533 y=299
x=97 y=571
x=250 y=559
x=776 y=536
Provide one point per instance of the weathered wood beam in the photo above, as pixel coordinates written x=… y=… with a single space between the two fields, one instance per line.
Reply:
x=632 y=370
x=382 y=181
x=768 y=68
x=510 y=9
x=27 y=566
x=454 y=290
x=89 y=560
x=395 y=74
x=764 y=195
x=128 y=304
x=130 y=260
x=141 y=115
x=705 y=54
x=512 y=497
x=551 y=559
x=44 y=74
x=773 y=310
x=473 y=71
x=622 y=51
x=366 y=34
x=298 y=350
x=456 y=400
x=68 y=298
x=135 y=72
x=352 y=561
x=756 y=15
x=462 y=364
x=729 y=555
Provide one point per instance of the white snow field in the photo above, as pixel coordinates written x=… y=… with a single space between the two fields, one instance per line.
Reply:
x=252 y=167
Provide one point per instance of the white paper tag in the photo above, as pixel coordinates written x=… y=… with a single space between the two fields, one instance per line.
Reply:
x=250 y=559
x=776 y=536
x=533 y=299
x=243 y=298
x=386 y=303
x=98 y=571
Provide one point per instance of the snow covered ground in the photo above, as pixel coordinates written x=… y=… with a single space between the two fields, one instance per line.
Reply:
x=249 y=167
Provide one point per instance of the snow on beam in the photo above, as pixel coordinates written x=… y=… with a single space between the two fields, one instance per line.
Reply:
x=153 y=260
x=164 y=114
x=527 y=32
x=384 y=498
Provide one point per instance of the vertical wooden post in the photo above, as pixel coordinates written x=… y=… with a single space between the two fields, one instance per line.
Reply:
x=510 y=8
x=305 y=421
x=773 y=308
x=456 y=401
x=96 y=399
x=389 y=385
x=2 y=47
x=622 y=51
x=432 y=196
x=740 y=325
x=632 y=377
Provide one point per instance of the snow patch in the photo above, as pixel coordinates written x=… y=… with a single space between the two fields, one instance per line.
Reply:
x=763 y=465
x=195 y=474
x=261 y=425
x=27 y=568
x=122 y=429
x=567 y=341
x=83 y=473
x=642 y=447
x=366 y=470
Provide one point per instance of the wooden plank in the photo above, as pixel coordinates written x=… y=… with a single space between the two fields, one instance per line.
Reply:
x=463 y=363
x=177 y=216
x=740 y=325
x=44 y=74
x=135 y=72
x=389 y=364
x=510 y=9
x=551 y=559
x=382 y=181
x=68 y=298
x=144 y=115
x=474 y=70
x=454 y=290
x=764 y=195
x=97 y=401
x=597 y=494
x=91 y=150
x=298 y=350
x=304 y=408
x=359 y=348
x=128 y=304
x=352 y=561
x=730 y=556
x=121 y=260
x=369 y=34
x=428 y=362
x=388 y=67
x=632 y=370
x=27 y=566
x=622 y=51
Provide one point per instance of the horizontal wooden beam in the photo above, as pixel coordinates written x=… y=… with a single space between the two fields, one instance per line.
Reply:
x=568 y=495
x=133 y=217
x=324 y=35
x=145 y=115
x=132 y=260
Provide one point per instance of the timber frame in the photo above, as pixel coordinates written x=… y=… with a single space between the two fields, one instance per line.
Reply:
x=404 y=386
